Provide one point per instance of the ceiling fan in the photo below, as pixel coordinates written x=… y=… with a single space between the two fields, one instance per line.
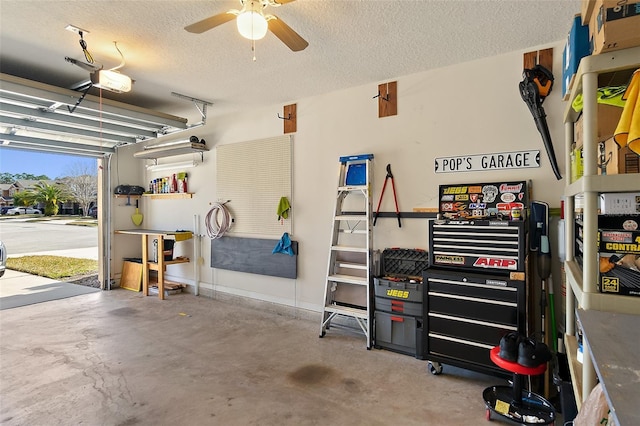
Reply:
x=253 y=23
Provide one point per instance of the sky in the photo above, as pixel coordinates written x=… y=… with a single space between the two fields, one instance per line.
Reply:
x=38 y=163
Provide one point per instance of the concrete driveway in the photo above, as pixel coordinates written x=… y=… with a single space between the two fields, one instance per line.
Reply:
x=53 y=237
x=21 y=289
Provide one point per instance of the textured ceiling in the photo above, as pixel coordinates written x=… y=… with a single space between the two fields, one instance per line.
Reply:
x=351 y=42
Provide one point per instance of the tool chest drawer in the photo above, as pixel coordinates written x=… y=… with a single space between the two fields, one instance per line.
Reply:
x=474 y=308
x=461 y=354
x=398 y=306
x=399 y=333
x=468 y=330
x=480 y=246
x=400 y=290
x=467 y=313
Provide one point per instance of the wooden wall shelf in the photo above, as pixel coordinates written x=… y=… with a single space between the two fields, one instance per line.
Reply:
x=174 y=195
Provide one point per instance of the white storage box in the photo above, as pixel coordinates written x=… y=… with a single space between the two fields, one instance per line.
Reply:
x=620 y=203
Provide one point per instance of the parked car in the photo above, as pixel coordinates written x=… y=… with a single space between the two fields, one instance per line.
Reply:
x=4 y=209
x=3 y=258
x=93 y=211
x=23 y=210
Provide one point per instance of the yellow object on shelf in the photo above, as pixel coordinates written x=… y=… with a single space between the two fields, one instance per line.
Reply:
x=628 y=130
x=183 y=235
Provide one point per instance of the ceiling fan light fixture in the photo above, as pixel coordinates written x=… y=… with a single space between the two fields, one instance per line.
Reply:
x=252 y=25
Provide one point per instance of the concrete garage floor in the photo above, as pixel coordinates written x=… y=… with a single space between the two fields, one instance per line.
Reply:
x=117 y=358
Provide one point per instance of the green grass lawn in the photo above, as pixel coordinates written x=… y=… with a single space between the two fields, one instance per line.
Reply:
x=54 y=267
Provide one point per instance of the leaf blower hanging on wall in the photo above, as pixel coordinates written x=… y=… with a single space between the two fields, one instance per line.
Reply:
x=534 y=88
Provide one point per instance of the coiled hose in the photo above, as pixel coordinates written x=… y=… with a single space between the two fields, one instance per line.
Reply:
x=216 y=229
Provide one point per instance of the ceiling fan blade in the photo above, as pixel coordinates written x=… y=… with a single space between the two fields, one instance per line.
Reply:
x=211 y=22
x=279 y=2
x=287 y=35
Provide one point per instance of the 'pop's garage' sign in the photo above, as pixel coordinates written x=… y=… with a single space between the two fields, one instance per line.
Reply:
x=484 y=162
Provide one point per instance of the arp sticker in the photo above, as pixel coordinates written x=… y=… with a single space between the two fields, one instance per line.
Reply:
x=495 y=262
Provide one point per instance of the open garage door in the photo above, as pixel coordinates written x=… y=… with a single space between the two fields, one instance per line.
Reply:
x=40 y=117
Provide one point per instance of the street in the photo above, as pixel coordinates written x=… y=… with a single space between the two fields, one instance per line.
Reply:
x=21 y=236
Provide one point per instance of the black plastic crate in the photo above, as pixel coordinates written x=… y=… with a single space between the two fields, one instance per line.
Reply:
x=399 y=333
x=404 y=263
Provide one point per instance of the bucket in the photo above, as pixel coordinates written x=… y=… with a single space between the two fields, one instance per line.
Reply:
x=168 y=250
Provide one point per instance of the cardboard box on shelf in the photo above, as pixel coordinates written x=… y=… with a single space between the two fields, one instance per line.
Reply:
x=608 y=117
x=619 y=264
x=620 y=222
x=608 y=157
x=617 y=160
x=586 y=9
x=614 y=24
x=576 y=48
x=577 y=164
x=618 y=241
x=628 y=161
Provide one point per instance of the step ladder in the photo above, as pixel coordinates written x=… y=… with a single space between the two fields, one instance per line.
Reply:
x=347 y=291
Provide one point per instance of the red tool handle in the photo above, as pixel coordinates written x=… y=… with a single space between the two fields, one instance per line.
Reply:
x=375 y=216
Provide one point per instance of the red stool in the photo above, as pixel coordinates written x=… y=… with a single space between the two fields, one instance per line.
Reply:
x=512 y=402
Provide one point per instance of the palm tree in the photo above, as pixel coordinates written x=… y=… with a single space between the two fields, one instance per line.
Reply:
x=20 y=199
x=49 y=195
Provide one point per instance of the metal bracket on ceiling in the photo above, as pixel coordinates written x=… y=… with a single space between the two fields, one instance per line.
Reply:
x=51 y=108
x=200 y=105
x=84 y=93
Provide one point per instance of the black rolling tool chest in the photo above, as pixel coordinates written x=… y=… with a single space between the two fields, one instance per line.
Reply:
x=399 y=301
x=466 y=314
x=475 y=291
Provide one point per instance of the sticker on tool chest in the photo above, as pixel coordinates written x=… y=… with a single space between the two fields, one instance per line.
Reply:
x=495 y=200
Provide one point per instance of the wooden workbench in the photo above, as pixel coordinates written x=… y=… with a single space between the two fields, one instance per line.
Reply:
x=161 y=265
x=613 y=342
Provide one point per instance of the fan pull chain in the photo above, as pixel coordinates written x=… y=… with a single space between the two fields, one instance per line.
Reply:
x=253 y=49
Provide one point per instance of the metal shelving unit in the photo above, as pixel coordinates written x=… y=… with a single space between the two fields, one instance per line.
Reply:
x=581 y=286
x=186 y=147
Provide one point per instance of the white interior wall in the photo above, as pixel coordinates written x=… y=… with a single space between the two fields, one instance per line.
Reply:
x=471 y=108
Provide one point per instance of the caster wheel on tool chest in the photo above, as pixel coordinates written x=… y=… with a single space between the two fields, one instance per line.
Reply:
x=435 y=368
